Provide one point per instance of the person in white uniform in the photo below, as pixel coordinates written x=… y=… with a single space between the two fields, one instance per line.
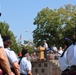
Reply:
x=46 y=48
x=63 y=60
x=4 y=63
x=71 y=56
x=11 y=54
x=25 y=64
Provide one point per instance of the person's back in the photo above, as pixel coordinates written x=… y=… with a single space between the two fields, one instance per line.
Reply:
x=11 y=54
x=71 y=55
x=25 y=64
x=4 y=63
x=67 y=57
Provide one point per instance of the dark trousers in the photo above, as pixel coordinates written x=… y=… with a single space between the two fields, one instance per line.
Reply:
x=45 y=54
x=69 y=73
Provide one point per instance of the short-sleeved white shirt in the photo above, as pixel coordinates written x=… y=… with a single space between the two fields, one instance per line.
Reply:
x=63 y=62
x=25 y=65
x=46 y=46
x=60 y=52
x=11 y=56
x=71 y=55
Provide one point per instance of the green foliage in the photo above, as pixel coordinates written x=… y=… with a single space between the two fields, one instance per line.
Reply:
x=54 y=25
x=29 y=48
x=25 y=42
x=4 y=29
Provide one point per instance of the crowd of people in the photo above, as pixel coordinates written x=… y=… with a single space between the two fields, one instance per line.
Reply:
x=66 y=55
x=11 y=65
x=9 y=62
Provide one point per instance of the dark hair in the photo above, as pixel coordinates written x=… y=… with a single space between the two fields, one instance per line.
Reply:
x=7 y=44
x=67 y=42
x=6 y=37
x=7 y=40
x=24 y=51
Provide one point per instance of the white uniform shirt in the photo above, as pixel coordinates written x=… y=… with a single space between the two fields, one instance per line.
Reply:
x=1 y=42
x=63 y=62
x=71 y=55
x=25 y=65
x=11 y=56
x=46 y=46
x=60 y=52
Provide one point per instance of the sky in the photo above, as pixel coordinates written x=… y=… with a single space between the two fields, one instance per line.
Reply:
x=20 y=14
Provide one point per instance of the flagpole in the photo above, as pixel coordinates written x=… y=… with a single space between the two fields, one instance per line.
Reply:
x=21 y=38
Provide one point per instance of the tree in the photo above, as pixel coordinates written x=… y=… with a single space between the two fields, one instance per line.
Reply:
x=54 y=25
x=29 y=48
x=25 y=41
x=48 y=24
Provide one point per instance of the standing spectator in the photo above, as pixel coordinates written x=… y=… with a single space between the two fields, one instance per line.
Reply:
x=51 y=55
x=64 y=60
x=60 y=51
x=54 y=48
x=34 y=57
x=25 y=64
x=11 y=54
x=46 y=48
x=4 y=63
